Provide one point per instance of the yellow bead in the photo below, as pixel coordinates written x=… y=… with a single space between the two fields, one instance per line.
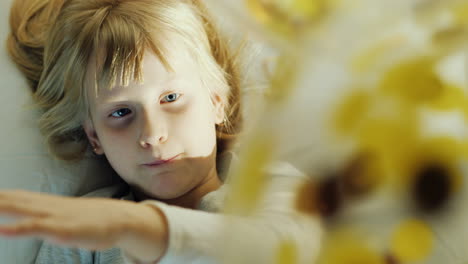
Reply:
x=414 y=81
x=349 y=249
x=287 y=253
x=283 y=83
x=249 y=177
x=258 y=11
x=412 y=241
x=460 y=13
x=306 y=8
x=452 y=97
x=352 y=111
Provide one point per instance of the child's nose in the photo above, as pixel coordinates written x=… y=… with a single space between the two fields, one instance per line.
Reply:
x=154 y=132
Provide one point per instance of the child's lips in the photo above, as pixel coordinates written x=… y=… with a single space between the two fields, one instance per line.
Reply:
x=160 y=161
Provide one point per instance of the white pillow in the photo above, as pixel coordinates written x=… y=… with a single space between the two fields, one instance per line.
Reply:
x=24 y=161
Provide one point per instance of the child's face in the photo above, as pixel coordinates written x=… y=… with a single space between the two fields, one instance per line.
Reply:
x=171 y=116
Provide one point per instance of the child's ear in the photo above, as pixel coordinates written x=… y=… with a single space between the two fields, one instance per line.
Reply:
x=92 y=137
x=219 y=105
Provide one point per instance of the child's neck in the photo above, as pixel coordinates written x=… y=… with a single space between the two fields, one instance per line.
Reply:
x=192 y=198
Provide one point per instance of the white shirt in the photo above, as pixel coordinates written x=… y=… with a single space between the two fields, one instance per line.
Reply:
x=202 y=237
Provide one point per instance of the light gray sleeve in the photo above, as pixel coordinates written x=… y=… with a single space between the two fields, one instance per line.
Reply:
x=52 y=254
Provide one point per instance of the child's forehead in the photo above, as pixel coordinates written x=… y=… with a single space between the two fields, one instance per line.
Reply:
x=184 y=75
x=182 y=67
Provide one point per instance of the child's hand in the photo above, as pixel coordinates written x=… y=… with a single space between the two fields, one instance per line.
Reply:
x=91 y=223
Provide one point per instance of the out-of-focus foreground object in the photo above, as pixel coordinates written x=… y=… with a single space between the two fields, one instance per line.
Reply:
x=369 y=98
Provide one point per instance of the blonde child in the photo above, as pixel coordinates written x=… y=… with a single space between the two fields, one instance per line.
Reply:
x=151 y=86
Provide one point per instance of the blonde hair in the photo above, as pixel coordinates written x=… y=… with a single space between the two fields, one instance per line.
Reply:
x=53 y=41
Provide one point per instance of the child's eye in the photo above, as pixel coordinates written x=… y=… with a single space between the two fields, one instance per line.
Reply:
x=121 y=112
x=170 y=98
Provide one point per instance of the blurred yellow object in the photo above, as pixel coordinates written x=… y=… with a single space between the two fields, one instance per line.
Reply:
x=362 y=175
x=352 y=111
x=389 y=140
x=304 y=9
x=397 y=63
x=460 y=13
x=249 y=178
x=452 y=98
x=385 y=130
x=441 y=152
x=465 y=109
x=412 y=241
x=414 y=81
x=283 y=81
x=349 y=248
x=450 y=39
x=259 y=11
x=286 y=253
x=287 y=17
x=365 y=61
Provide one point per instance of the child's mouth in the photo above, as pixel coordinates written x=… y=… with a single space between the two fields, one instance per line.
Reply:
x=161 y=161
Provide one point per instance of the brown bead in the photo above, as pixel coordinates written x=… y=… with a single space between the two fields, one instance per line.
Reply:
x=306 y=199
x=357 y=178
x=432 y=187
x=390 y=259
x=330 y=196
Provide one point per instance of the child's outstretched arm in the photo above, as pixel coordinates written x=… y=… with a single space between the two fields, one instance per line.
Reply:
x=90 y=223
x=154 y=232
x=202 y=237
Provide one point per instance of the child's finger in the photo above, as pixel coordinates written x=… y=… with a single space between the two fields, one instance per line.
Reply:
x=30 y=227
x=19 y=209
x=52 y=232
x=18 y=195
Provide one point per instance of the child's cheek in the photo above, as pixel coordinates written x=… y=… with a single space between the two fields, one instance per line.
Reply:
x=180 y=107
x=180 y=115
x=119 y=125
x=118 y=132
